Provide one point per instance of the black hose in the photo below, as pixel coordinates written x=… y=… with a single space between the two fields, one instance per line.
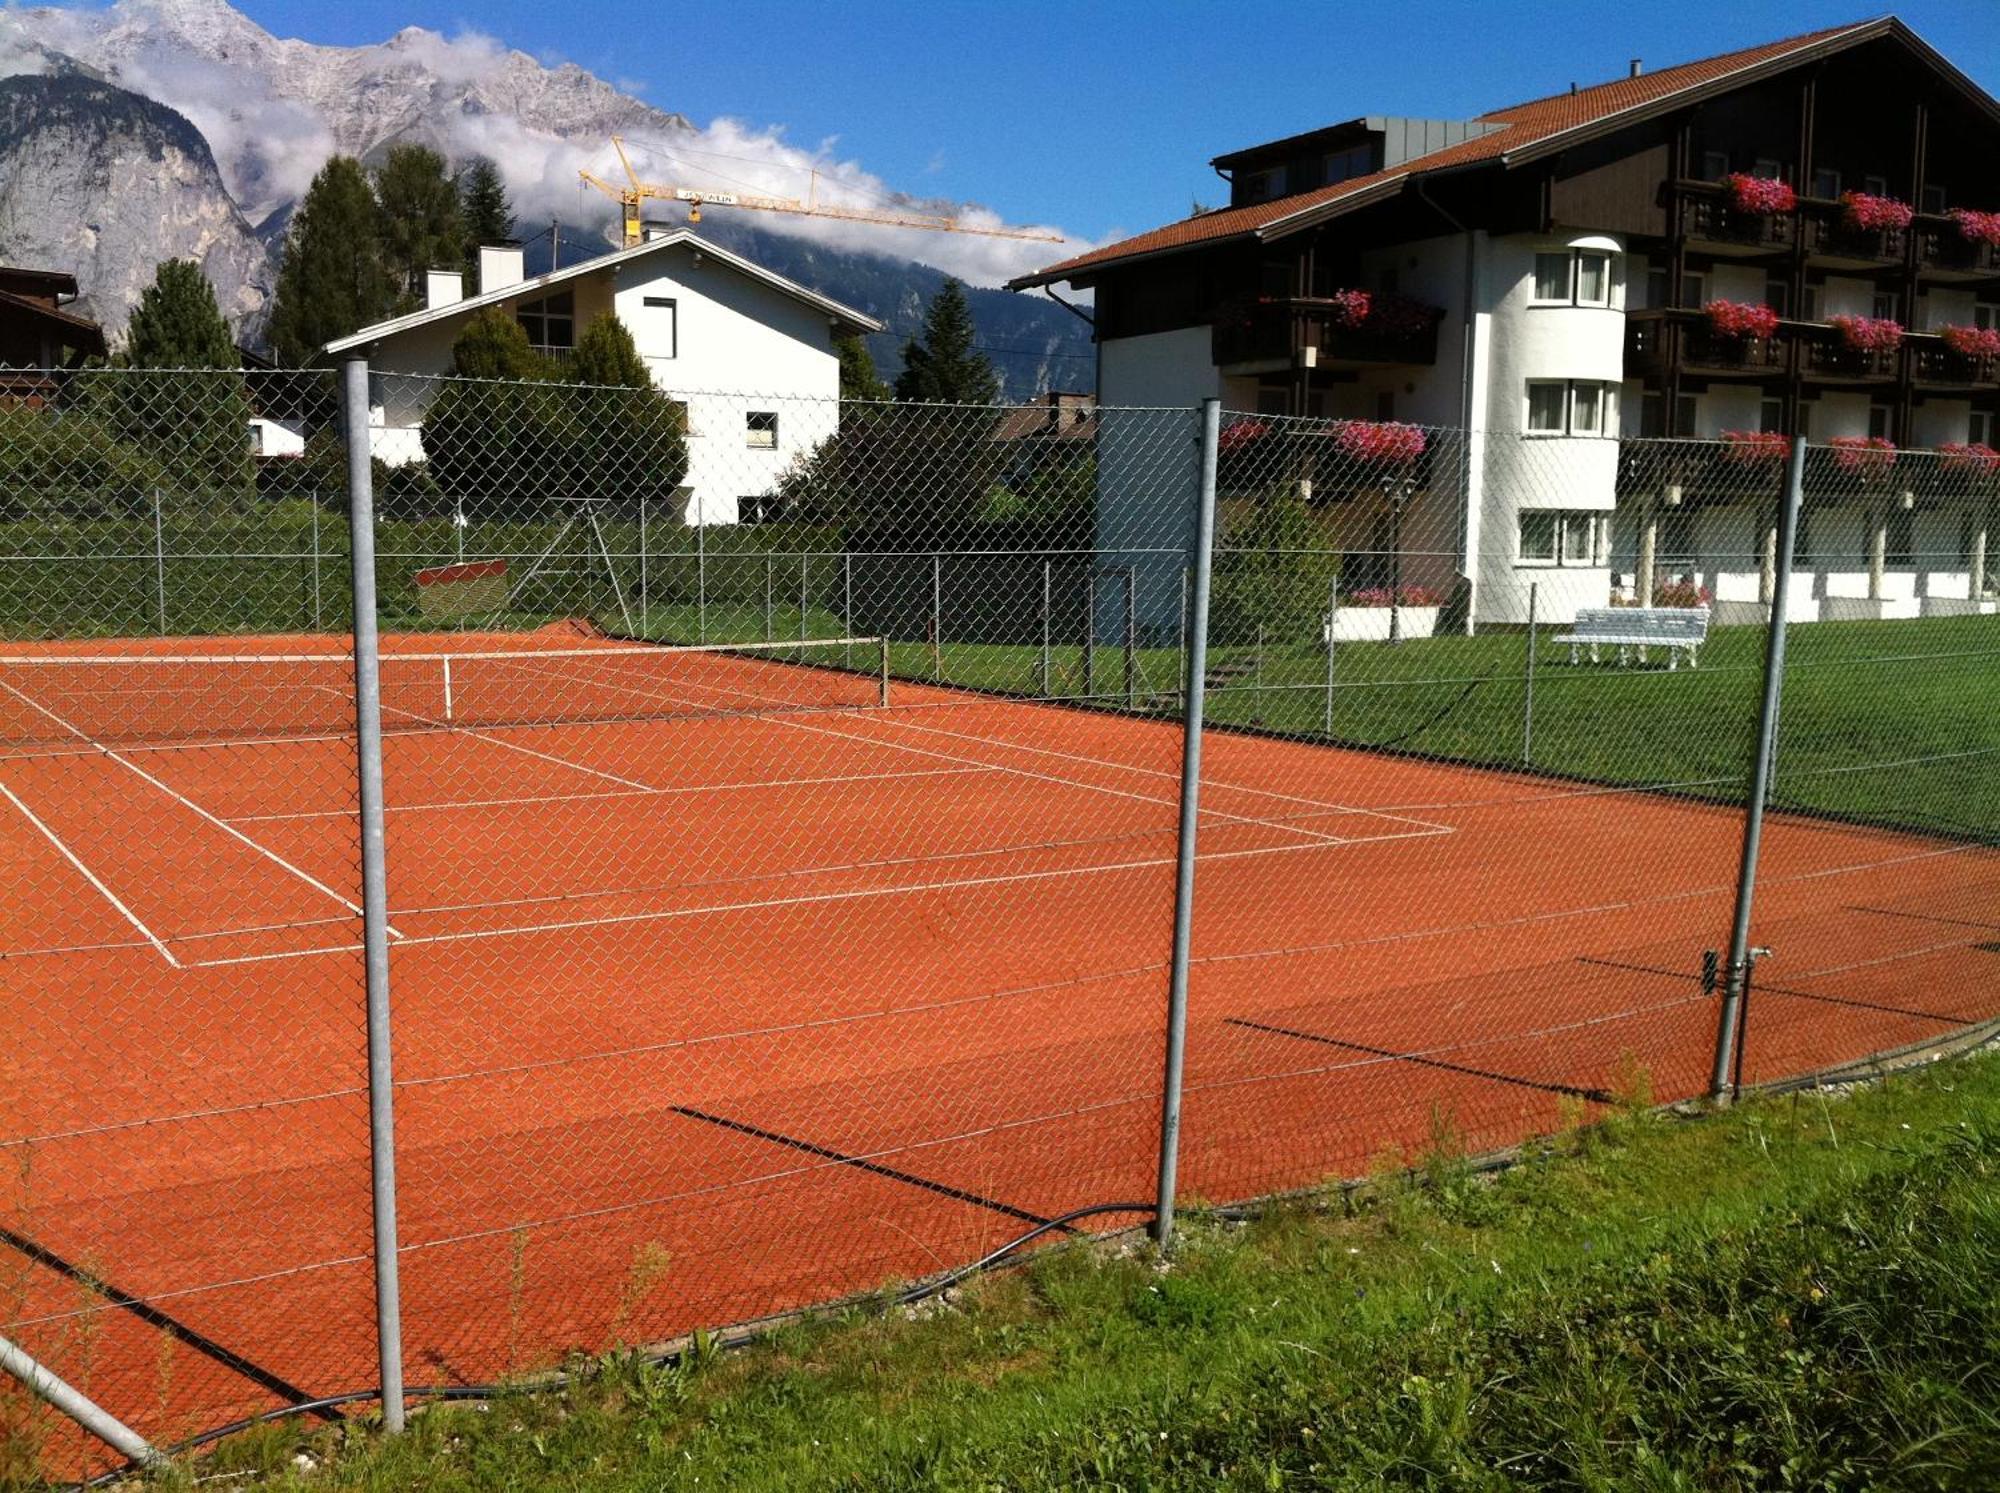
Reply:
x=1418 y=730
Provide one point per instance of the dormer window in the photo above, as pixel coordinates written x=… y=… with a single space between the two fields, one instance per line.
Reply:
x=1264 y=185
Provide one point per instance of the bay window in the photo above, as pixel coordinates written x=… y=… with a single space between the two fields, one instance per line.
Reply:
x=1572 y=539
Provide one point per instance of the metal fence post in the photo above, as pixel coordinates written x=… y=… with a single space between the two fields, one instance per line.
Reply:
x=1090 y=633
x=769 y=564
x=1181 y=646
x=1184 y=855
x=44 y=1384
x=1332 y=607
x=315 y=584
x=1528 y=704
x=642 y=566
x=847 y=603
x=1131 y=637
x=1044 y=672
x=937 y=616
x=374 y=891
x=803 y=558
x=700 y=582
x=159 y=564
x=1728 y=1031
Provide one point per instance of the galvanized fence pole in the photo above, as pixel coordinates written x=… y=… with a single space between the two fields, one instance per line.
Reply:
x=1131 y=637
x=159 y=563
x=1729 y=1023
x=1044 y=671
x=1332 y=608
x=769 y=564
x=315 y=588
x=643 y=577
x=847 y=604
x=1181 y=645
x=937 y=617
x=374 y=891
x=1090 y=632
x=46 y=1385
x=700 y=582
x=803 y=558
x=1184 y=855
x=1528 y=701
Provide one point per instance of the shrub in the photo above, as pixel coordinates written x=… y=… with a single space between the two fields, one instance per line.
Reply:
x=1273 y=572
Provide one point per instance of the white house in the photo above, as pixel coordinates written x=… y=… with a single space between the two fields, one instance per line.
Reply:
x=748 y=352
x=1542 y=278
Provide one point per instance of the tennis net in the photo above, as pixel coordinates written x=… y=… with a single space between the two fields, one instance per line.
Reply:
x=87 y=700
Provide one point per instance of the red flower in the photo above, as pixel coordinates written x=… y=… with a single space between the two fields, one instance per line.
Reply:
x=1242 y=433
x=1351 y=308
x=1681 y=594
x=1386 y=441
x=1760 y=194
x=1972 y=342
x=1384 y=314
x=1753 y=446
x=1863 y=453
x=1977 y=457
x=1868 y=334
x=1867 y=211
x=1741 y=319
x=1976 y=227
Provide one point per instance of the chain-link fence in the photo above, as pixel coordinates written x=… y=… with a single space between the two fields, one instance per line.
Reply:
x=822 y=848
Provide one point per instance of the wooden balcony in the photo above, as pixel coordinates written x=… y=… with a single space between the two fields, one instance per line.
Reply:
x=1657 y=340
x=1825 y=358
x=1285 y=332
x=1710 y=221
x=1934 y=365
x=1831 y=243
x=1943 y=253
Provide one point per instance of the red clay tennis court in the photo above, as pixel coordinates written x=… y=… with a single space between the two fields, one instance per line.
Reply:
x=721 y=989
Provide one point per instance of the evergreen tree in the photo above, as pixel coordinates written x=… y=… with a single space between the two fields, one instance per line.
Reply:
x=177 y=324
x=494 y=345
x=606 y=355
x=858 y=379
x=489 y=216
x=423 y=226
x=332 y=280
x=941 y=366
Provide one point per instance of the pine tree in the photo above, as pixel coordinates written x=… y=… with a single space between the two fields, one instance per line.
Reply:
x=177 y=324
x=332 y=280
x=423 y=226
x=489 y=216
x=858 y=379
x=606 y=355
x=942 y=366
x=493 y=345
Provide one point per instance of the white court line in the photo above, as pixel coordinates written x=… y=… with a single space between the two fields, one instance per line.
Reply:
x=221 y=824
x=91 y=876
x=617 y=793
x=673 y=914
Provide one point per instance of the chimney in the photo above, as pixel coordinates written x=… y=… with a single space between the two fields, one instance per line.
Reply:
x=443 y=288
x=1638 y=67
x=500 y=265
x=652 y=233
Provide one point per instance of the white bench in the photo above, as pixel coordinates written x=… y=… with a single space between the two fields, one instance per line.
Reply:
x=1677 y=629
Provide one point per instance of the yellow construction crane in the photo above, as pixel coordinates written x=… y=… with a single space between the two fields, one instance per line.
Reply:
x=631 y=198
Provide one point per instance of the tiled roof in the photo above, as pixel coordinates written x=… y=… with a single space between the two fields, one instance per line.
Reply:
x=1530 y=124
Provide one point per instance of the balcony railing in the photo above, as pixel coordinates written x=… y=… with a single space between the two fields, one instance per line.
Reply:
x=1280 y=329
x=1932 y=362
x=1709 y=217
x=1830 y=238
x=1942 y=249
x=1650 y=344
x=1825 y=355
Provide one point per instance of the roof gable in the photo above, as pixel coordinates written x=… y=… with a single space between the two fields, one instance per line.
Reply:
x=1528 y=131
x=604 y=263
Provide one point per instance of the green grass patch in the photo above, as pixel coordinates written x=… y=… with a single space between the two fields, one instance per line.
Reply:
x=1797 y=1293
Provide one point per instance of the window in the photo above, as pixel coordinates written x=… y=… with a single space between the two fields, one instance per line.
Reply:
x=1653 y=421
x=1826 y=183
x=1809 y=303
x=1385 y=405
x=663 y=326
x=550 y=322
x=1694 y=288
x=1986 y=314
x=1980 y=429
x=1773 y=169
x=1576 y=539
x=1262 y=186
x=1593 y=279
x=1878 y=421
x=1552 y=277
x=760 y=428
x=1933 y=199
x=1875 y=186
x=1778 y=293
x=1714 y=164
x=1771 y=415
x=1806 y=409
x=1341 y=165
x=1683 y=415
x=1572 y=277
x=1570 y=407
x=1888 y=305
x=1656 y=286
x=1548 y=412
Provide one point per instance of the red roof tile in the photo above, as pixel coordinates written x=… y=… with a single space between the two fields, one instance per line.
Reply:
x=1529 y=124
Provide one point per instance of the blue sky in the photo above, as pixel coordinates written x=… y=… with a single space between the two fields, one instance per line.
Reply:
x=1101 y=116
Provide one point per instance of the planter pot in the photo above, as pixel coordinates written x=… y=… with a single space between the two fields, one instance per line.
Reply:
x=1958 y=606
x=1371 y=624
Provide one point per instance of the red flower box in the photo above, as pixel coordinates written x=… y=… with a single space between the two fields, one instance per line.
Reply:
x=1976 y=457
x=1754 y=446
x=1351 y=308
x=1383 y=313
x=1976 y=227
x=1868 y=334
x=1243 y=433
x=1740 y=319
x=1681 y=594
x=1866 y=454
x=1972 y=342
x=1869 y=212
x=1389 y=442
x=1763 y=195
x=1382 y=596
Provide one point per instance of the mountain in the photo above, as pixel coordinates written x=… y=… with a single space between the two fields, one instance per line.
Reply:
x=266 y=112
x=106 y=184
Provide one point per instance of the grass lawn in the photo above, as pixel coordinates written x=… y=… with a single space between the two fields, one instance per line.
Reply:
x=1796 y=1293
